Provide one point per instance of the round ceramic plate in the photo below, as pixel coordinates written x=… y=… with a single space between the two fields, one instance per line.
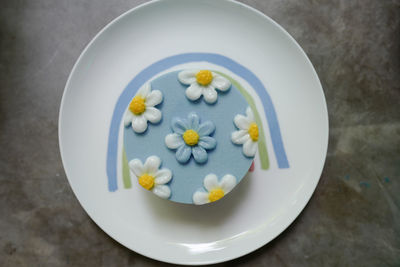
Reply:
x=265 y=62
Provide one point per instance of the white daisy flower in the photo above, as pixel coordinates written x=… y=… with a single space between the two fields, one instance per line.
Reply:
x=215 y=189
x=141 y=109
x=247 y=135
x=151 y=177
x=203 y=82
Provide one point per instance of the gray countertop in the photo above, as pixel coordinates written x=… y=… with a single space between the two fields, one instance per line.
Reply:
x=353 y=218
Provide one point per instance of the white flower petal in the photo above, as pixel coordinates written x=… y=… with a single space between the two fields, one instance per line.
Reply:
x=173 y=141
x=152 y=114
x=193 y=92
x=242 y=122
x=136 y=167
x=211 y=182
x=249 y=148
x=128 y=117
x=227 y=183
x=154 y=98
x=139 y=123
x=144 y=90
x=210 y=95
x=162 y=191
x=200 y=198
x=239 y=137
x=151 y=165
x=187 y=76
x=250 y=115
x=221 y=83
x=163 y=176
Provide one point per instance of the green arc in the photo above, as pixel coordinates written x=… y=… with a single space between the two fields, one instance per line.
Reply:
x=126 y=177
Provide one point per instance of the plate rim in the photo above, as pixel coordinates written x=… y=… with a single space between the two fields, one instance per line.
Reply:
x=261 y=241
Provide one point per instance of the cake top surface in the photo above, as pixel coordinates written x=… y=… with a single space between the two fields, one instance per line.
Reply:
x=190 y=146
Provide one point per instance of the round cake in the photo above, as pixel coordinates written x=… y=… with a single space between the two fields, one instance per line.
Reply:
x=190 y=136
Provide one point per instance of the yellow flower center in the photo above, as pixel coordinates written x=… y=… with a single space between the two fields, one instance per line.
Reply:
x=253 y=131
x=147 y=181
x=191 y=137
x=137 y=105
x=216 y=194
x=204 y=77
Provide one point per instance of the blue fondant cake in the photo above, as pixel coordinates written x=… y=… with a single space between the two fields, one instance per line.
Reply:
x=189 y=136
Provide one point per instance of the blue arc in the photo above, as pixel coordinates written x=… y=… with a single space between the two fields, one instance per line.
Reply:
x=159 y=66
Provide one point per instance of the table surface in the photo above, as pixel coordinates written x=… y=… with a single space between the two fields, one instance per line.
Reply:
x=353 y=218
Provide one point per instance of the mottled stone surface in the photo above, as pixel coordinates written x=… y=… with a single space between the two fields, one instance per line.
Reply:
x=353 y=219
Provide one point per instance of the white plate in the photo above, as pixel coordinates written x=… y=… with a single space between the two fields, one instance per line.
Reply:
x=261 y=206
